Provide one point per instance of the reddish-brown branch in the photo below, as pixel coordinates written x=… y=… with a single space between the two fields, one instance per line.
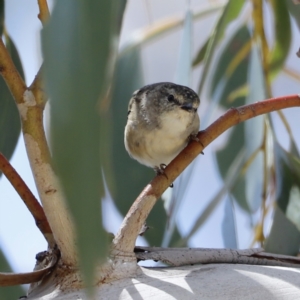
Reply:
x=136 y=217
x=29 y=199
x=44 y=11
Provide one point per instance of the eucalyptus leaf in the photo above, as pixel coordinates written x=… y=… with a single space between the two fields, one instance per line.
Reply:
x=229 y=226
x=294 y=10
x=287 y=175
x=225 y=83
x=230 y=12
x=231 y=177
x=255 y=133
x=282 y=37
x=184 y=63
x=284 y=237
x=226 y=156
x=201 y=53
x=237 y=76
x=77 y=46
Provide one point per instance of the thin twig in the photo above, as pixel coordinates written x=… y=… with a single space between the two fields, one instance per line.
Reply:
x=293 y=74
x=29 y=199
x=44 y=11
x=285 y=124
x=188 y=256
x=136 y=217
x=11 y=75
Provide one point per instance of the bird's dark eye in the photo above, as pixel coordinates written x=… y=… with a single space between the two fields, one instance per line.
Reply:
x=171 y=97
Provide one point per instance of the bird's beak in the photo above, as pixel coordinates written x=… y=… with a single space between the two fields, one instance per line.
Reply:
x=188 y=107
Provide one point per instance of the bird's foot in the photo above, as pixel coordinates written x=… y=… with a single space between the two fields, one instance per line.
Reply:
x=161 y=171
x=194 y=137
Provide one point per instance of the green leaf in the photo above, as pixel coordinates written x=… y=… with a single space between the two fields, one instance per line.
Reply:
x=282 y=37
x=230 y=12
x=229 y=226
x=255 y=133
x=225 y=158
x=222 y=86
x=201 y=53
x=77 y=45
x=10 y=125
x=129 y=176
x=287 y=175
x=11 y=292
x=229 y=180
x=237 y=76
x=184 y=63
x=284 y=237
x=294 y=11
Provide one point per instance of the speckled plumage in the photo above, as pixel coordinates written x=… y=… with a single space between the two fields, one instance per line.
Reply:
x=161 y=118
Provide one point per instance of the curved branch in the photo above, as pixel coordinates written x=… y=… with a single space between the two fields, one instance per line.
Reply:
x=45 y=263
x=138 y=213
x=29 y=199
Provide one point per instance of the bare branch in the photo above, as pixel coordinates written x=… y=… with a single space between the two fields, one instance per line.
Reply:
x=29 y=199
x=177 y=257
x=125 y=239
x=44 y=265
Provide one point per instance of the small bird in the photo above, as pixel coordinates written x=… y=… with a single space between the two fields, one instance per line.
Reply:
x=162 y=118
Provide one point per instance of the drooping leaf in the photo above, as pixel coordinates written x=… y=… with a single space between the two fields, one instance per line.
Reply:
x=10 y=125
x=223 y=83
x=230 y=178
x=237 y=76
x=77 y=46
x=282 y=26
x=293 y=208
x=230 y=12
x=228 y=226
x=255 y=133
x=294 y=10
x=201 y=53
x=11 y=292
x=184 y=63
x=287 y=175
x=284 y=237
x=226 y=156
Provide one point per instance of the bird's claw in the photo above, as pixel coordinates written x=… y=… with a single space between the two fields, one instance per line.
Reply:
x=161 y=171
x=194 y=137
